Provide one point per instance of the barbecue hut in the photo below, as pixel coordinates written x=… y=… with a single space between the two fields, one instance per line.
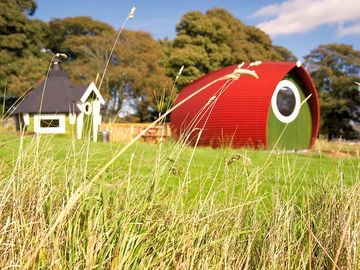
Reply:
x=56 y=106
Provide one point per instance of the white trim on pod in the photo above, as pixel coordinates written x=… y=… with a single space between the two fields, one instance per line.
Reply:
x=283 y=118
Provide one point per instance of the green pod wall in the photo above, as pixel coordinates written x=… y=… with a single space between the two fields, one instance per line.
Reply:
x=296 y=134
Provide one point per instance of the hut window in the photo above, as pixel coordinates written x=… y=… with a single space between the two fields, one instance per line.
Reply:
x=285 y=101
x=49 y=123
x=87 y=108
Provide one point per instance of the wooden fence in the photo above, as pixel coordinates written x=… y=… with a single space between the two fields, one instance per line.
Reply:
x=124 y=132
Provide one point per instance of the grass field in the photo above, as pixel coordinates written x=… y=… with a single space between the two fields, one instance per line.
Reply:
x=171 y=206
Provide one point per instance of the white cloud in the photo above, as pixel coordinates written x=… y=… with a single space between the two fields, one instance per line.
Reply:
x=353 y=29
x=299 y=16
x=275 y=9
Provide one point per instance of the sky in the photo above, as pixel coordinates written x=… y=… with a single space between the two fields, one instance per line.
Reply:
x=298 y=25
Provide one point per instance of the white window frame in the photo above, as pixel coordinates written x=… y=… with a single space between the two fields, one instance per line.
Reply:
x=87 y=108
x=72 y=119
x=295 y=113
x=61 y=129
x=26 y=118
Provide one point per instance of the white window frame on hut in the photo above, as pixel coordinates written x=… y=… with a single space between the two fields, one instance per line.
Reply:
x=60 y=129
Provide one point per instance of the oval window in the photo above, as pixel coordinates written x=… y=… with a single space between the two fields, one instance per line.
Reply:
x=285 y=101
x=87 y=108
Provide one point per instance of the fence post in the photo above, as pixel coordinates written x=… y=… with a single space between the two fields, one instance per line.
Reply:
x=132 y=131
x=168 y=130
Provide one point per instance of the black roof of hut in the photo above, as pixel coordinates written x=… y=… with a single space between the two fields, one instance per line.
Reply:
x=58 y=96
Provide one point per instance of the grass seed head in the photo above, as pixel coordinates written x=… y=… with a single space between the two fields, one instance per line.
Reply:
x=241 y=71
x=256 y=63
x=61 y=55
x=179 y=73
x=132 y=13
x=244 y=71
x=210 y=100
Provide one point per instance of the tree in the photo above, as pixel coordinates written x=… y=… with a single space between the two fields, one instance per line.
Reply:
x=134 y=74
x=140 y=77
x=21 y=42
x=63 y=29
x=206 y=42
x=283 y=54
x=87 y=44
x=335 y=68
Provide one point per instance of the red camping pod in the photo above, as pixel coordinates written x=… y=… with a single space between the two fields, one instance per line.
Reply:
x=280 y=109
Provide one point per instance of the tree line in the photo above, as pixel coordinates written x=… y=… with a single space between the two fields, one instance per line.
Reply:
x=142 y=69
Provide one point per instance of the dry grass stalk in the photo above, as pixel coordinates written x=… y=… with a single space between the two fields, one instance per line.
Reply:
x=73 y=200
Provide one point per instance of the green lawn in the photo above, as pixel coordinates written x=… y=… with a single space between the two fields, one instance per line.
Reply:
x=289 y=170
x=170 y=206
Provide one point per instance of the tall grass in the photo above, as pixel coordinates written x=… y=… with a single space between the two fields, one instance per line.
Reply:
x=67 y=213
x=172 y=219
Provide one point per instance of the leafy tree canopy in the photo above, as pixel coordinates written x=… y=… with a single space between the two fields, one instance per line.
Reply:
x=209 y=41
x=21 y=40
x=134 y=73
x=335 y=68
x=63 y=29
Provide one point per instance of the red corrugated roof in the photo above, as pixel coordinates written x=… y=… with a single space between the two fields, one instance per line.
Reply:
x=240 y=115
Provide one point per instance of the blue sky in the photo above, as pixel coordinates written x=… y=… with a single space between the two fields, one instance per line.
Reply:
x=299 y=25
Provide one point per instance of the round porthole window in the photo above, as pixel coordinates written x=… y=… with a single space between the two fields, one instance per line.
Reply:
x=87 y=108
x=285 y=101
